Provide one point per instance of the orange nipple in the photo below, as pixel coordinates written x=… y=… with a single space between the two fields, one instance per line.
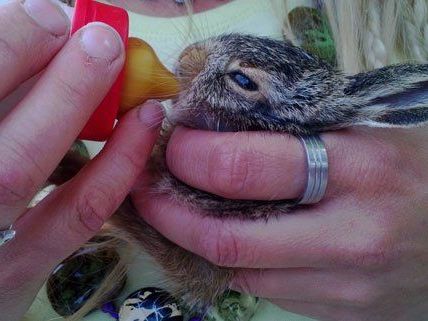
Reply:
x=145 y=77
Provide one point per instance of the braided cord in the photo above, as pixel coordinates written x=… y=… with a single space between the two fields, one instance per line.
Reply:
x=374 y=48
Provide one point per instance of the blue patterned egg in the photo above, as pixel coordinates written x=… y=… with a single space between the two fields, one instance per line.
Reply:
x=76 y=279
x=150 y=304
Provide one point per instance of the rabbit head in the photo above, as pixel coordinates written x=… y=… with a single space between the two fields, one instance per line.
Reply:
x=238 y=82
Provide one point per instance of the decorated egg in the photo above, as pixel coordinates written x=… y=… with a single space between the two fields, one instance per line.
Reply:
x=150 y=304
x=234 y=306
x=76 y=279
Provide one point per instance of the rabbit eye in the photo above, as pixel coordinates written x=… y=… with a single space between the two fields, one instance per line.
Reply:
x=243 y=81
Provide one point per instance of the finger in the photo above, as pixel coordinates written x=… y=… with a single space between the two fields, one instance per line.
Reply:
x=75 y=212
x=322 y=236
x=318 y=311
x=13 y=99
x=344 y=288
x=272 y=166
x=244 y=165
x=31 y=33
x=38 y=132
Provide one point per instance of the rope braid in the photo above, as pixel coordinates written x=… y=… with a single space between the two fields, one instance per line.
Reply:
x=373 y=33
x=373 y=46
x=416 y=26
x=346 y=23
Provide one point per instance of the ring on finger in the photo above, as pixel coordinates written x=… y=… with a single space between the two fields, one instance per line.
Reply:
x=7 y=235
x=317 y=168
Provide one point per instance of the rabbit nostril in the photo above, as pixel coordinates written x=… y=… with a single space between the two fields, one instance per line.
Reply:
x=193 y=57
x=190 y=63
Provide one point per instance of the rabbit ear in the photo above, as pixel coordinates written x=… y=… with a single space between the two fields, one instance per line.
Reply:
x=395 y=96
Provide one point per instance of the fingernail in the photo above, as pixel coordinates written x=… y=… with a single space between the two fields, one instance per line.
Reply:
x=151 y=113
x=101 y=41
x=47 y=15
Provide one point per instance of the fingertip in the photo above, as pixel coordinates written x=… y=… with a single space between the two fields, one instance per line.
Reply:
x=151 y=114
x=145 y=118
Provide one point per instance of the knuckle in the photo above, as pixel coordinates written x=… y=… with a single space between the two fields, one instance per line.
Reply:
x=389 y=159
x=220 y=247
x=7 y=51
x=227 y=170
x=385 y=164
x=389 y=154
x=377 y=254
x=362 y=296
x=74 y=94
x=232 y=170
x=19 y=172
x=12 y=283
x=248 y=282
x=375 y=169
x=130 y=161
x=16 y=185
x=92 y=209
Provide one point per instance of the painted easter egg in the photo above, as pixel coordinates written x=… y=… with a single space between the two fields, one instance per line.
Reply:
x=150 y=304
x=76 y=279
x=234 y=306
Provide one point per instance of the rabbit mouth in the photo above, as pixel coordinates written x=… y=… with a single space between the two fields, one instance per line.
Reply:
x=201 y=119
x=205 y=122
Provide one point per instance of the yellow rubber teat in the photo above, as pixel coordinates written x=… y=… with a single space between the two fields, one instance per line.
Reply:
x=145 y=77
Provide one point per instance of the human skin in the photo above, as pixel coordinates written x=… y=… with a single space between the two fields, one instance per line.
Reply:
x=360 y=254
x=39 y=130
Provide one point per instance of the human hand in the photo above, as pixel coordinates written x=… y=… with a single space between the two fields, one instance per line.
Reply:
x=360 y=254
x=38 y=131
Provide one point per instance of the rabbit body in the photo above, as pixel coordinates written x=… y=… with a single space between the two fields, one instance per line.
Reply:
x=241 y=83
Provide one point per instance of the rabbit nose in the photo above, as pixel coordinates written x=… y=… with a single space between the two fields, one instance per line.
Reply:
x=191 y=62
x=194 y=53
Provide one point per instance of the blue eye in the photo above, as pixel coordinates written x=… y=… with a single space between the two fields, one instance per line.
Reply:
x=243 y=81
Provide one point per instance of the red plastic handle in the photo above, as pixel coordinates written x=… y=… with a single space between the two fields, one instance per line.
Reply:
x=100 y=125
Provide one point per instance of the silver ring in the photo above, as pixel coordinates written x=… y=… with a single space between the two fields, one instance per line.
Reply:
x=316 y=155
x=7 y=235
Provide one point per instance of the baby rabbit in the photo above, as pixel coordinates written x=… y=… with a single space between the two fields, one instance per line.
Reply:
x=240 y=83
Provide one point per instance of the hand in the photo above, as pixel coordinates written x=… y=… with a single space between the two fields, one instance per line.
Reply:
x=38 y=131
x=360 y=254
